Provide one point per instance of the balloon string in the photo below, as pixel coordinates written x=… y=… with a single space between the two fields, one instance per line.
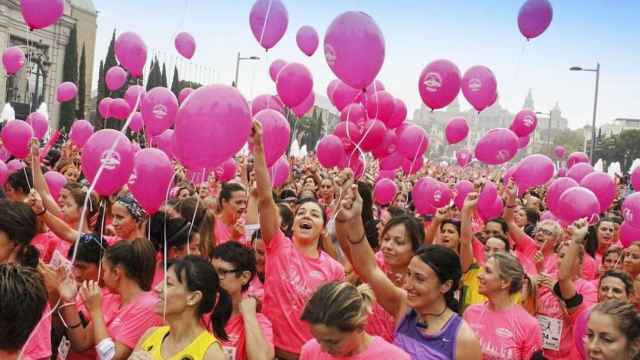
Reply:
x=415 y=157
x=266 y=20
x=193 y=219
x=519 y=60
x=357 y=146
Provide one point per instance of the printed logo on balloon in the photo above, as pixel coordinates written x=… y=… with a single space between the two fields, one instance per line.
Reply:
x=110 y=159
x=475 y=84
x=433 y=82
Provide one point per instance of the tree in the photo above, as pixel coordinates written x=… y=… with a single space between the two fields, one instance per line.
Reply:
x=624 y=147
x=82 y=85
x=105 y=65
x=69 y=74
x=311 y=129
x=571 y=140
x=155 y=75
x=175 y=83
x=164 y=76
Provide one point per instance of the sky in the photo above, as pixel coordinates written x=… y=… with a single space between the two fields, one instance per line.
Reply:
x=471 y=32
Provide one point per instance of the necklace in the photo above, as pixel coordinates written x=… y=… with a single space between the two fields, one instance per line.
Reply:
x=423 y=324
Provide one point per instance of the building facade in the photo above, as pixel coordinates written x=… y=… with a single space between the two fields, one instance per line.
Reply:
x=618 y=125
x=37 y=81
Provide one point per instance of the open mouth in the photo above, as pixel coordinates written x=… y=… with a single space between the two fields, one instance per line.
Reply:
x=306 y=226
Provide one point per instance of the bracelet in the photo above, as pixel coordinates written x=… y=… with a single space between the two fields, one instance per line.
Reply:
x=44 y=210
x=75 y=326
x=511 y=206
x=364 y=236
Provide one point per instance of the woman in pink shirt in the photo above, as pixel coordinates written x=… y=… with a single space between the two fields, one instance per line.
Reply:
x=229 y=224
x=127 y=218
x=128 y=268
x=337 y=314
x=506 y=330
x=600 y=237
x=613 y=332
x=294 y=268
x=250 y=332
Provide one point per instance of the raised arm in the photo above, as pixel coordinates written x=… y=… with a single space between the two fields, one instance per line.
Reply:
x=268 y=210
x=60 y=228
x=39 y=182
x=569 y=264
x=515 y=231
x=252 y=206
x=466 y=231
x=434 y=227
x=349 y=226
x=257 y=346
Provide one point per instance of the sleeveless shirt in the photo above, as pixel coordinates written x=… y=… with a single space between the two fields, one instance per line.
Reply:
x=194 y=351
x=440 y=346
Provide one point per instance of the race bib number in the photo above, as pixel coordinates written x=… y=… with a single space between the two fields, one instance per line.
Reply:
x=250 y=229
x=63 y=348
x=229 y=352
x=551 y=332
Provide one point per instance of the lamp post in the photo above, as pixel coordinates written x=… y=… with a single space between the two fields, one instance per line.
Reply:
x=595 y=105
x=238 y=59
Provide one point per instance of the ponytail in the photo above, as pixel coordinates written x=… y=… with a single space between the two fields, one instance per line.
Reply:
x=137 y=258
x=221 y=314
x=451 y=301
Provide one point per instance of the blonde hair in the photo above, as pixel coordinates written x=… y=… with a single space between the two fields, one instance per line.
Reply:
x=341 y=305
x=555 y=228
x=510 y=270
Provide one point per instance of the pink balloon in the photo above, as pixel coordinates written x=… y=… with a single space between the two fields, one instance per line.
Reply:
x=577 y=203
x=330 y=151
x=354 y=48
x=214 y=114
x=115 y=78
x=456 y=130
x=164 y=142
x=487 y=196
x=307 y=40
x=497 y=147
x=508 y=175
x=39 y=14
x=374 y=87
x=81 y=131
x=559 y=151
x=493 y=211
x=523 y=141
x=355 y=113
x=276 y=133
x=151 y=166
x=603 y=186
x=15 y=165
x=66 y=91
x=579 y=171
x=4 y=173
x=410 y=166
x=356 y=165
x=392 y=162
x=131 y=53
x=266 y=101
x=104 y=107
x=534 y=170
x=427 y=194
x=534 y=18
x=136 y=122
x=39 y=124
x=226 y=171
x=4 y=154
x=305 y=106
x=117 y=163
x=463 y=157
x=399 y=114
x=294 y=84
x=55 y=182
x=159 y=110
x=331 y=88
x=524 y=123
x=577 y=158
x=462 y=189
x=344 y=95
x=372 y=134
x=628 y=234
x=136 y=147
x=184 y=94
x=198 y=177
x=348 y=131
x=279 y=172
x=557 y=188
x=439 y=84
x=631 y=209
x=134 y=95
x=386 y=174
x=479 y=87
x=275 y=68
x=387 y=146
x=268 y=20
x=412 y=141
x=384 y=191
x=16 y=136
x=120 y=109
x=635 y=179
x=381 y=106
x=13 y=59
x=548 y=215
x=185 y=44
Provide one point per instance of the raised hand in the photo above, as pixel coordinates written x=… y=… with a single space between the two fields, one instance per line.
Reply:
x=471 y=201
x=350 y=206
x=256 y=136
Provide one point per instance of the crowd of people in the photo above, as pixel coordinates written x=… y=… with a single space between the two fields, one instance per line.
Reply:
x=314 y=269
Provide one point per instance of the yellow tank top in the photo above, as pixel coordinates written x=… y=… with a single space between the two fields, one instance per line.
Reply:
x=195 y=351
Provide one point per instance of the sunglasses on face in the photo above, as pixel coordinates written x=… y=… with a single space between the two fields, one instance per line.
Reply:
x=545 y=232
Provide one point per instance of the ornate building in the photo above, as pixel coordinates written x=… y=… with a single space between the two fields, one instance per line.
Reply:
x=36 y=83
x=434 y=122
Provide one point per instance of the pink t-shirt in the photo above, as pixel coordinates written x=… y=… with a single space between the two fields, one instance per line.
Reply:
x=223 y=234
x=590 y=267
x=511 y=334
x=46 y=243
x=235 y=348
x=551 y=311
x=525 y=252
x=39 y=345
x=256 y=289
x=377 y=349
x=291 y=278
x=132 y=320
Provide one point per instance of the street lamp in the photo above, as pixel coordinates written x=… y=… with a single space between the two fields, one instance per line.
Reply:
x=239 y=58
x=595 y=105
